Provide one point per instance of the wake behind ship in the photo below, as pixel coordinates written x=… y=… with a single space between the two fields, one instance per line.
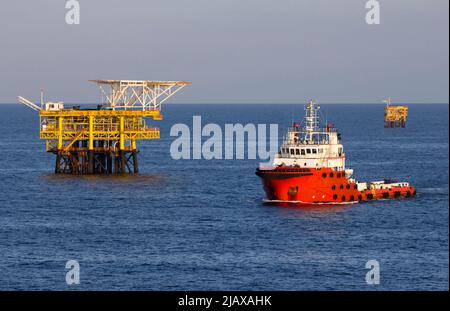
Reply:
x=310 y=169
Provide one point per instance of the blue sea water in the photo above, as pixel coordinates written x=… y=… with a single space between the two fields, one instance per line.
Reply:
x=201 y=225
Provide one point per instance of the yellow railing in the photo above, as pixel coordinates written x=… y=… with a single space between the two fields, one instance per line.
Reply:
x=102 y=135
x=61 y=129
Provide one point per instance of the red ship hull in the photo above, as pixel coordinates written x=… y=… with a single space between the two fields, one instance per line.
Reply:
x=320 y=186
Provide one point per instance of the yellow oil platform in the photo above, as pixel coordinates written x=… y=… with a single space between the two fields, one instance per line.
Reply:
x=103 y=140
x=394 y=115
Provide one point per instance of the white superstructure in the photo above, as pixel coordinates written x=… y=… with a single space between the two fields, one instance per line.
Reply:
x=308 y=145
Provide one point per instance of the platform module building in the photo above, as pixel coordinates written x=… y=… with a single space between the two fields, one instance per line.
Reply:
x=103 y=140
x=395 y=115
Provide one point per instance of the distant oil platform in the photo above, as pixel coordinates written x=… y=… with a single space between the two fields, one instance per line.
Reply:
x=394 y=115
x=103 y=140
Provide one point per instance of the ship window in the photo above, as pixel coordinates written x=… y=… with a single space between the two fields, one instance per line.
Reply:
x=303 y=151
x=335 y=196
x=333 y=187
x=331 y=174
x=338 y=175
x=324 y=175
x=314 y=151
x=348 y=186
x=297 y=151
x=292 y=151
x=308 y=150
x=341 y=187
x=343 y=198
x=320 y=150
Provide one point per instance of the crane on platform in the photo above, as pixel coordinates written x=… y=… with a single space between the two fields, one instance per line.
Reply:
x=29 y=103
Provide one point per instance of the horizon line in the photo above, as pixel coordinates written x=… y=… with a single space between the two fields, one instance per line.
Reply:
x=265 y=103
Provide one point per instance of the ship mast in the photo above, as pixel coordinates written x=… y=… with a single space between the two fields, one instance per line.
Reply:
x=311 y=120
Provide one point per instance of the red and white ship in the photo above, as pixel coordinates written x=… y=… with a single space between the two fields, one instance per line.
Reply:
x=310 y=169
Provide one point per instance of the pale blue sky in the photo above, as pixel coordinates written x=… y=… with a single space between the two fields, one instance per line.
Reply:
x=235 y=51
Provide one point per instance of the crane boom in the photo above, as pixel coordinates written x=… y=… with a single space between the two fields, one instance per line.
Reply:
x=29 y=103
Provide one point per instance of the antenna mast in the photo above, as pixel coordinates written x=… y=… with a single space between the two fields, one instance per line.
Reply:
x=311 y=119
x=42 y=97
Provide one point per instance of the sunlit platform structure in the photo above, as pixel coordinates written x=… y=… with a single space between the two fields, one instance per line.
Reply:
x=394 y=115
x=103 y=140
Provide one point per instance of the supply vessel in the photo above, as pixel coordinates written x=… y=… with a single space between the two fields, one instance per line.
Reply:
x=310 y=169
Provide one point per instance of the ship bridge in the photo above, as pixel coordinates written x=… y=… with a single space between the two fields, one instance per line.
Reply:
x=308 y=145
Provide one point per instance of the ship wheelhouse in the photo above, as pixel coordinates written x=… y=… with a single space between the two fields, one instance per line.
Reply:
x=308 y=145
